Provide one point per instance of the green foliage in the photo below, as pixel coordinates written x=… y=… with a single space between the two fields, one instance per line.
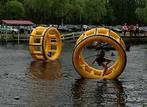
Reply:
x=13 y=10
x=94 y=10
x=65 y=11
x=75 y=11
x=76 y=15
x=109 y=17
x=2 y=4
x=37 y=10
x=142 y=13
x=124 y=10
x=60 y=10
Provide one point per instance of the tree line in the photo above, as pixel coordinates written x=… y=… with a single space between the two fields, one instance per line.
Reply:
x=110 y=12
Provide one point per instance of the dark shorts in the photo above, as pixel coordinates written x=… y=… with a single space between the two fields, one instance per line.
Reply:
x=100 y=61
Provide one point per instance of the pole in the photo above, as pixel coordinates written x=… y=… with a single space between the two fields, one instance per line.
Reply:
x=6 y=37
x=18 y=37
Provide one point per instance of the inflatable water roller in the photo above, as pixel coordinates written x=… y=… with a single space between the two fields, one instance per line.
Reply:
x=45 y=43
x=100 y=35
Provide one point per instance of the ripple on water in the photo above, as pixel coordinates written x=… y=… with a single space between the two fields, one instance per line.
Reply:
x=56 y=84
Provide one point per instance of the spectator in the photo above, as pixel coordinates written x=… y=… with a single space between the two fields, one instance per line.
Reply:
x=136 y=28
x=125 y=28
x=131 y=30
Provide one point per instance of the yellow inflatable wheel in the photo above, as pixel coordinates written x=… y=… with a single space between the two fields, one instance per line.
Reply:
x=45 y=43
x=99 y=35
x=52 y=44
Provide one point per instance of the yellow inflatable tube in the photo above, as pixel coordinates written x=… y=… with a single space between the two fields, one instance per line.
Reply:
x=101 y=35
x=45 y=43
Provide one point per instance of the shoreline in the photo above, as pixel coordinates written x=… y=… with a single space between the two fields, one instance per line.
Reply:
x=127 y=39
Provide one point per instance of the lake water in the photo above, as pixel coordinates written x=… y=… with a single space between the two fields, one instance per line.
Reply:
x=28 y=83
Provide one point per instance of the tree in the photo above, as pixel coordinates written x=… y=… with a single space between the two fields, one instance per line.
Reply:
x=109 y=17
x=2 y=4
x=38 y=10
x=95 y=10
x=13 y=10
x=76 y=15
x=60 y=10
x=124 y=10
x=142 y=13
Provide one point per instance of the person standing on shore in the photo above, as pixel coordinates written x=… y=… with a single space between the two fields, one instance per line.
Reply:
x=125 y=29
x=136 y=28
x=131 y=29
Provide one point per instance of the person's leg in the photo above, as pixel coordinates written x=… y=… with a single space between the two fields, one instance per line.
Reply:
x=135 y=33
x=105 y=69
x=107 y=61
x=124 y=33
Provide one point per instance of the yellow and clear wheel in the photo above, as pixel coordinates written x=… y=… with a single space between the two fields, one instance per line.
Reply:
x=52 y=44
x=45 y=43
x=101 y=35
x=35 y=43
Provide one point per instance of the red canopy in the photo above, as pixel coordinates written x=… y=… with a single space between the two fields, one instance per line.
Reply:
x=17 y=22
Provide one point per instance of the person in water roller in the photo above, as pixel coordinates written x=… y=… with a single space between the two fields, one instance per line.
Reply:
x=100 y=59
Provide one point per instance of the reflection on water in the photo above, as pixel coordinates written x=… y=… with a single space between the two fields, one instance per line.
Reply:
x=13 y=45
x=49 y=87
x=93 y=93
x=46 y=70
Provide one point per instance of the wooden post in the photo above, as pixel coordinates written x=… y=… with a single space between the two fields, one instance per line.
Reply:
x=6 y=36
x=73 y=35
x=5 y=32
x=18 y=38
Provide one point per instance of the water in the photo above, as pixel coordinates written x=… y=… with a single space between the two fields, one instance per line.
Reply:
x=28 y=83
